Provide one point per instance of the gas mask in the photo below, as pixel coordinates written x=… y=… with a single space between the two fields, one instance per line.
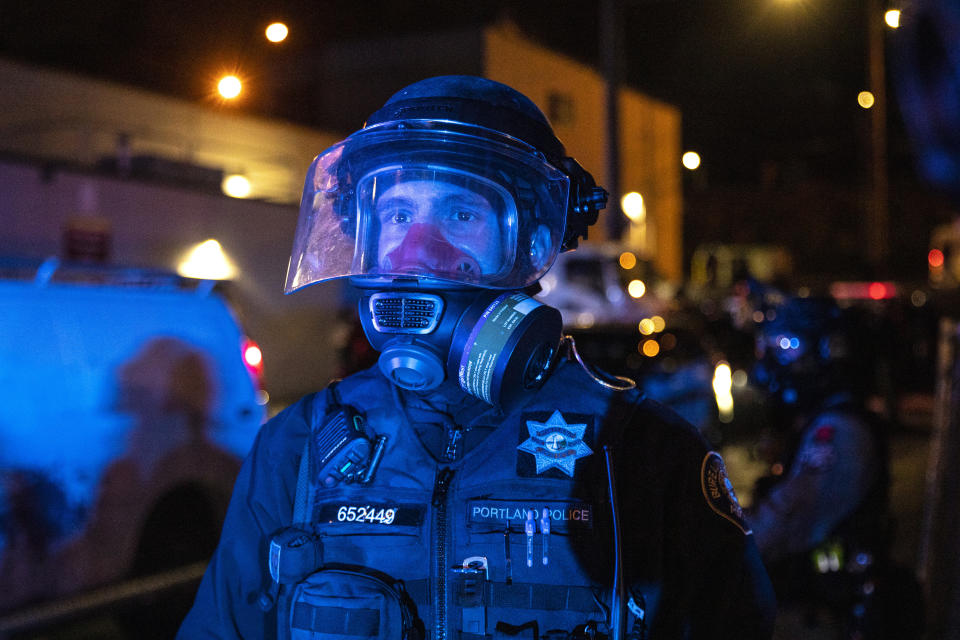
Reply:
x=451 y=232
x=494 y=345
x=442 y=222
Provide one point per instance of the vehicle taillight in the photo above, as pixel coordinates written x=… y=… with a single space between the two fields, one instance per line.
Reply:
x=253 y=358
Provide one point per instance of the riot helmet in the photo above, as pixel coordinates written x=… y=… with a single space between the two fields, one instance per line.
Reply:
x=451 y=134
x=452 y=199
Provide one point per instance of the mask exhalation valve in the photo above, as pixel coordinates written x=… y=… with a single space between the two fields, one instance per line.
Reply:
x=411 y=366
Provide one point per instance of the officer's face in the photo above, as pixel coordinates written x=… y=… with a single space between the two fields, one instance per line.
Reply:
x=438 y=228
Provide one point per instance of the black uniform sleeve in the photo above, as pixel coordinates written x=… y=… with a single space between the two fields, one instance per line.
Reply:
x=730 y=593
x=226 y=604
x=692 y=554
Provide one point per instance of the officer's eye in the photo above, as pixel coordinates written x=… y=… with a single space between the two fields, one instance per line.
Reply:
x=396 y=216
x=464 y=215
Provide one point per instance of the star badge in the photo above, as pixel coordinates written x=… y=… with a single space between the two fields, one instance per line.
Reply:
x=555 y=444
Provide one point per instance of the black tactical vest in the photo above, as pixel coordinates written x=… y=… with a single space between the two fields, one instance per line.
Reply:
x=512 y=540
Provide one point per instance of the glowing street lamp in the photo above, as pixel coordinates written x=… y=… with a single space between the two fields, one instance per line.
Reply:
x=229 y=87
x=277 y=32
x=236 y=186
x=633 y=206
x=207 y=261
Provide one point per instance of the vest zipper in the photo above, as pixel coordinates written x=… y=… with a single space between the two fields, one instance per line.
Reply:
x=441 y=563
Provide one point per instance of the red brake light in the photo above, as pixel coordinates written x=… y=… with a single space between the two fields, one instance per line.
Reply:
x=253 y=358
x=935 y=258
x=877 y=291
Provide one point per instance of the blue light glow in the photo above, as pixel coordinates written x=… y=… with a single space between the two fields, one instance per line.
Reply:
x=64 y=349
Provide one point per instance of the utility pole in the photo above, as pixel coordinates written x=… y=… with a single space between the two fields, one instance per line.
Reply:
x=611 y=54
x=877 y=219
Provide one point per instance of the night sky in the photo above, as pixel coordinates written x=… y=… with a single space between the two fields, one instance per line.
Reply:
x=756 y=79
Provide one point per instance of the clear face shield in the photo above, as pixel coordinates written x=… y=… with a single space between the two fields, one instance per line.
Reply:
x=430 y=200
x=436 y=223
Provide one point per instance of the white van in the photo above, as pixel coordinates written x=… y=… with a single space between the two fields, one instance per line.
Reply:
x=126 y=409
x=591 y=287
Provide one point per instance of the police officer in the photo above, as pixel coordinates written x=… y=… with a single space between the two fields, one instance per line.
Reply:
x=820 y=518
x=480 y=482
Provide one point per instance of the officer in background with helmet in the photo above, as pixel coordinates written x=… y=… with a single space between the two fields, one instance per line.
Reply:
x=825 y=459
x=481 y=481
x=821 y=517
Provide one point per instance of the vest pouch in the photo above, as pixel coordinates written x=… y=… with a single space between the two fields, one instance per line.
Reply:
x=341 y=604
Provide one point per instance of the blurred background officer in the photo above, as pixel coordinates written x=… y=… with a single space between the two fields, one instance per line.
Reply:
x=466 y=487
x=821 y=517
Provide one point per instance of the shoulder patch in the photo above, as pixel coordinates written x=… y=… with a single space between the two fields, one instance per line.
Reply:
x=824 y=433
x=718 y=491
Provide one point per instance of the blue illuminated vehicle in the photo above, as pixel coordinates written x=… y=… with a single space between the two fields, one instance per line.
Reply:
x=126 y=408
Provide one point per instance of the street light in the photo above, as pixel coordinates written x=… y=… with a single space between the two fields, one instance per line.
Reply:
x=277 y=32
x=236 y=186
x=633 y=206
x=207 y=261
x=229 y=87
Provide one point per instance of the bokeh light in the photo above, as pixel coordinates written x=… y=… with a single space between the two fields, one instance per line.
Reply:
x=236 y=186
x=935 y=258
x=740 y=378
x=277 y=32
x=207 y=261
x=865 y=99
x=722 y=382
x=892 y=18
x=646 y=326
x=628 y=260
x=229 y=87
x=253 y=355
x=633 y=206
x=877 y=291
x=691 y=160
x=651 y=348
x=636 y=288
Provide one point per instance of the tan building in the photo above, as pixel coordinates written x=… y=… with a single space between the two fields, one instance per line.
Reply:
x=573 y=96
